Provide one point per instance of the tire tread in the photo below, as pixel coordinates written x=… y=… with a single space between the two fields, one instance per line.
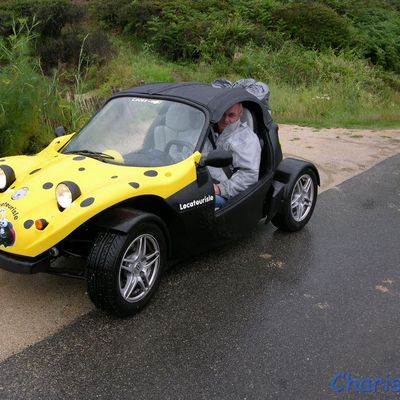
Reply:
x=283 y=220
x=102 y=267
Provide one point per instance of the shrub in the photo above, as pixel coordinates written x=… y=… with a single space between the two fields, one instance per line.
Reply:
x=189 y=30
x=314 y=25
x=110 y=13
x=31 y=104
x=380 y=30
x=98 y=47
x=20 y=91
x=294 y=66
x=54 y=51
x=52 y=14
x=55 y=22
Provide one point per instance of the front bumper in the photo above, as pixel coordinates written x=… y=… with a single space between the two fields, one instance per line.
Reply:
x=24 y=265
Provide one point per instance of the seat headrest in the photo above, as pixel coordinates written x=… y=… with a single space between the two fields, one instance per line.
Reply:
x=181 y=117
x=247 y=117
x=178 y=117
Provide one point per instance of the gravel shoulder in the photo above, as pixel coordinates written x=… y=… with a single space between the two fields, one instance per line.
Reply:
x=34 y=307
x=339 y=153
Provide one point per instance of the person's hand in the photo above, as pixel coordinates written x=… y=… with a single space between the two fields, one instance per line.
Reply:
x=217 y=190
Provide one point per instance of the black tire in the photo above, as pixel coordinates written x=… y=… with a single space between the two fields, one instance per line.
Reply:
x=117 y=265
x=291 y=220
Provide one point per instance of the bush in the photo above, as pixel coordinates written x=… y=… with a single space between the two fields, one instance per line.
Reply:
x=314 y=25
x=212 y=30
x=55 y=23
x=20 y=92
x=54 y=51
x=31 y=104
x=111 y=14
x=298 y=68
x=97 y=47
x=52 y=14
x=189 y=30
x=197 y=36
x=65 y=49
x=378 y=25
x=380 y=30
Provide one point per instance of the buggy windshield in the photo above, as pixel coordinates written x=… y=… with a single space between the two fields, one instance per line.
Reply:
x=140 y=131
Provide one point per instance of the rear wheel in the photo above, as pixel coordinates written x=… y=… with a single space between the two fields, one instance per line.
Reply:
x=299 y=204
x=124 y=271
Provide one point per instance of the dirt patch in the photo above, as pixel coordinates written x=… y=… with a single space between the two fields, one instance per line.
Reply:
x=339 y=153
x=36 y=306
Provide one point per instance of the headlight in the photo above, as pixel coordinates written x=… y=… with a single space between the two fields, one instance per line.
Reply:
x=66 y=193
x=7 y=177
x=3 y=179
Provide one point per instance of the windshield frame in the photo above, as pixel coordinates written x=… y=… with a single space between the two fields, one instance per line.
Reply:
x=174 y=99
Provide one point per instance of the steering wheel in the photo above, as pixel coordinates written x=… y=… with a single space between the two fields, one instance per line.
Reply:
x=180 y=144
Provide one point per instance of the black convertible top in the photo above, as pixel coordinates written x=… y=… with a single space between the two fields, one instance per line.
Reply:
x=215 y=100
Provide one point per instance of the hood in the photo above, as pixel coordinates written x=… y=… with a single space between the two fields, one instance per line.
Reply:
x=102 y=185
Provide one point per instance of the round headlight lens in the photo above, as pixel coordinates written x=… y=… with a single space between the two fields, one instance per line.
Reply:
x=3 y=179
x=64 y=195
x=7 y=177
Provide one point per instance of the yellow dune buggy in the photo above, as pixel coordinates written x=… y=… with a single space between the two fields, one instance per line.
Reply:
x=131 y=191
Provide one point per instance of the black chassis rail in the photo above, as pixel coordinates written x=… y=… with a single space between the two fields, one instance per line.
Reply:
x=119 y=219
x=24 y=265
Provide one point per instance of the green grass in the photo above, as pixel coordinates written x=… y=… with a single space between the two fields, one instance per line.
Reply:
x=307 y=88
x=331 y=107
x=131 y=66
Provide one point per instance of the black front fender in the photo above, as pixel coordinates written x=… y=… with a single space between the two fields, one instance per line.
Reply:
x=123 y=219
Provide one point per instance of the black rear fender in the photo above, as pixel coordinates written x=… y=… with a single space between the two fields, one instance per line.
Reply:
x=284 y=178
x=288 y=170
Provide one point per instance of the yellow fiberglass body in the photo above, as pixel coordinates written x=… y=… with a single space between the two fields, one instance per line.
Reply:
x=32 y=196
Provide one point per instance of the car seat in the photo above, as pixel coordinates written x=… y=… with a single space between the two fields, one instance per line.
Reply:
x=248 y=118
x=180 y=132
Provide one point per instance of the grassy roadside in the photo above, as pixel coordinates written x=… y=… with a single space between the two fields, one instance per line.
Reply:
x=308 y=88
x=323 y=106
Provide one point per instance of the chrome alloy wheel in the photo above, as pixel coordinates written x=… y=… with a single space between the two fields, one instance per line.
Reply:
x=302 y=198
x=139 y=268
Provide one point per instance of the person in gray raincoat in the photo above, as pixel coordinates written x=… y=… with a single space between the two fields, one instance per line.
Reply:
x=235 y=136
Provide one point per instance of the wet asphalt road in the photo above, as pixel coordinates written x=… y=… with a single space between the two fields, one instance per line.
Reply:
x=274 y=316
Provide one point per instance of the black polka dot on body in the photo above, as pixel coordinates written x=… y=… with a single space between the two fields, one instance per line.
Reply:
x=87 y=202
x=79 y=158
x=114 y=177
x=151 y=172
x=81 y=169
x=28 y=223
x=135 y=185
x=47 y=185
x=34 y=171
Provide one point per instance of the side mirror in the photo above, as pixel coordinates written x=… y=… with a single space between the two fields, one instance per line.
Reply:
x=217 y=158
x=59 y=131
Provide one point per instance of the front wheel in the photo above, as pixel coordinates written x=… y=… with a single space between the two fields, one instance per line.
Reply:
x=123 y=271
x=299 y=205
